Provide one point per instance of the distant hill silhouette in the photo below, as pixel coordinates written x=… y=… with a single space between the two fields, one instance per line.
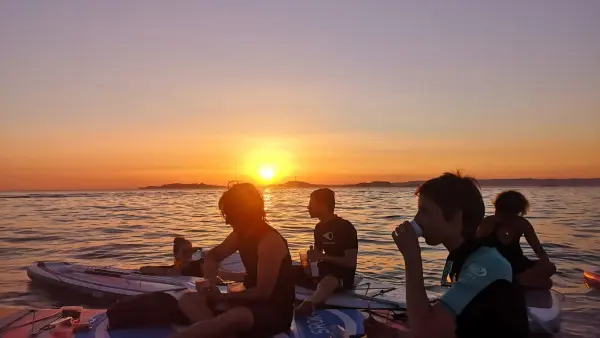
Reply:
x=502 y=182
x=295 y=184
x=177 y=186
x=549 y=182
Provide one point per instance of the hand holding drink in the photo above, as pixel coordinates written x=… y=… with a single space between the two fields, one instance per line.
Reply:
x=406 y=238
x=304 y=260
x=313 y=255
x=308 y=261
x=206 y=285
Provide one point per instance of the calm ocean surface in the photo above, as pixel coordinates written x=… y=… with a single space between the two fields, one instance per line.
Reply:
x=130 y=228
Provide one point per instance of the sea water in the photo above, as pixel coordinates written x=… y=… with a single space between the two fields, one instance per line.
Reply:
x=131 y=228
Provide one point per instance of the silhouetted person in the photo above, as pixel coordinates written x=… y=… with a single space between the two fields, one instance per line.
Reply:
x=504 y=229
x=266 y=305
x=335 y=250
x=482 y=300
x=183 y=264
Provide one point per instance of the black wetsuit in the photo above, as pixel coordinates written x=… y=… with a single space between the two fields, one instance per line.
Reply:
x=483 y=299
x=275 y=314
x=335 y=237
x=512 y=252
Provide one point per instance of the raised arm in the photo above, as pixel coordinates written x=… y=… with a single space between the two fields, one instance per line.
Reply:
x=532 y=239
x=217 y=254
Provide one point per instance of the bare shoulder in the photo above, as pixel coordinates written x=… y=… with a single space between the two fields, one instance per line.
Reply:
x=272 y=243
x=490 y=220
x=524 y=223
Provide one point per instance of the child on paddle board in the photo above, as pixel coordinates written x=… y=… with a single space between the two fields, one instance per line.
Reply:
x=504 y=229
x=183 y=264
x=335 y=250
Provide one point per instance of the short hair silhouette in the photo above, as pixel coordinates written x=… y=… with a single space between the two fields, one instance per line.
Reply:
x=453 y=192
x=325 y=196
x=511 y=202
x=243 y=198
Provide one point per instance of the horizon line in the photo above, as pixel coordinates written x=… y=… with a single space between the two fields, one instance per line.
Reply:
x=341 y=185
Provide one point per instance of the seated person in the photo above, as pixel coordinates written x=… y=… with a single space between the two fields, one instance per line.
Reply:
x=266 y=305
x=335 y=250
x=503 y=231
x=482 y=301
x=183 y=265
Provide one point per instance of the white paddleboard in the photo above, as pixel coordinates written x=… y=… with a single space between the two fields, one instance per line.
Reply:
x=103 y=282
x=544 y=308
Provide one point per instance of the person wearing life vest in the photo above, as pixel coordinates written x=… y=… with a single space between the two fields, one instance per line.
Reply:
x=482 y=300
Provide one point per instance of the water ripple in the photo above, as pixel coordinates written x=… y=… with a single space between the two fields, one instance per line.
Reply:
x=131 y=228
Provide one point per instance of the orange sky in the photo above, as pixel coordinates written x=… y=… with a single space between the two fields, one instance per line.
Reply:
x=123 y=163
x=102 y=95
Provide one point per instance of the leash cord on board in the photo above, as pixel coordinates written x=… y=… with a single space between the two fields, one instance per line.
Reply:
x=10 y=328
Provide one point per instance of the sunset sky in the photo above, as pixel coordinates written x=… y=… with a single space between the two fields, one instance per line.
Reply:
x=118 y=94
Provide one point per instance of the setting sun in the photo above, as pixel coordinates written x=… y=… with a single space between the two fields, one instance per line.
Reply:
x=268 y=164
x=267 y=173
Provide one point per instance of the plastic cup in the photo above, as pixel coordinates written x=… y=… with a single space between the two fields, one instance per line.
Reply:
x=303 y=259
x=235 y=287
x=416 y=228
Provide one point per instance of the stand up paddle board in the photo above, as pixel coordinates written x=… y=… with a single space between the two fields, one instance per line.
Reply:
x=113 y=283
x=19 y=323
x=591 y=278
x=110 y=282
x=544 y=307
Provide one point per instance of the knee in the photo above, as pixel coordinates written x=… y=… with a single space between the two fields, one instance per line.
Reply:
x=191 y=300
x=549 y=268
x=330 y=279
x=239 y=317
x=330 y=282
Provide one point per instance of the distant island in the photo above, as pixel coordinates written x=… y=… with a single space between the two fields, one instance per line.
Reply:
x=178 y=186
x=502 y=182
